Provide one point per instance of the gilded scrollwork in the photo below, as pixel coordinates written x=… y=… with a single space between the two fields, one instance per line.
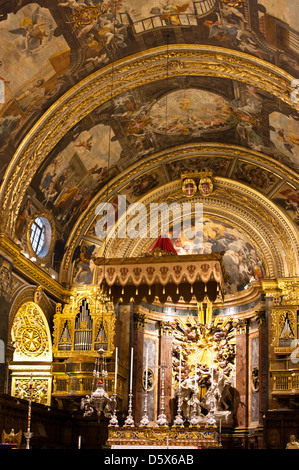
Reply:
x=96 y=326
x=139 y=321
x=38 y=393
x=290 y=291
x=166 y=328
x=284 y=312
x=282 y=316
x=30 y=334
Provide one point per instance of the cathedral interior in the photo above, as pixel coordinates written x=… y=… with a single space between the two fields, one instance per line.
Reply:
x=149 y=212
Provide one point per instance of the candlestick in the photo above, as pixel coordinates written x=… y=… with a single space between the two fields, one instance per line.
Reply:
x=29 y=433
x=113 y=420
x=180 y=367
x=129 y=420
x=162 y=419
x=146 y=369
x=144 y=421
x=115 y=379
x=178 y=421
x=131 y=369
x=194 y=421
x=211 y=421
x=212 y=367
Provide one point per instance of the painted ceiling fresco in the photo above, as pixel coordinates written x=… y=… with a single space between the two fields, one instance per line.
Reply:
x=48 y=47
x=59 y=44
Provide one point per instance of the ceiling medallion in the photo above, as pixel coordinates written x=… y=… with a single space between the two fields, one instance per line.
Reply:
x=201 y=180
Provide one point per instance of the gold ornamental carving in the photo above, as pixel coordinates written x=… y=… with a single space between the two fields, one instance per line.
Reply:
x=286 y=289
x=38 y=393
x=201 y=437
x=38 y=275
x=30 y=334
x=260 y=316
x=14 y=439
x=166 y=328
x=289 y=291
x=285 y=292
x=139 y=321
x=284 y=329
x=84 y=324
x=241 y=327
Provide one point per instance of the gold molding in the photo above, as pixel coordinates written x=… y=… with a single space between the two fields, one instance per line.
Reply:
x=286 y=288
x=30 y=269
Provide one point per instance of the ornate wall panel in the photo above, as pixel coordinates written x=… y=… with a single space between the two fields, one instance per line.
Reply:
x=32 y=356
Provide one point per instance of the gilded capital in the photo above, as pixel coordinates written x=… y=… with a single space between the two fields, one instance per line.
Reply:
x=260 y=316
x=139 y=321
x=166 y=328
x=241 y=327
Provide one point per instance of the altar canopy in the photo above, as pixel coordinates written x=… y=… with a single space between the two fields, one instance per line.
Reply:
x=167 y=278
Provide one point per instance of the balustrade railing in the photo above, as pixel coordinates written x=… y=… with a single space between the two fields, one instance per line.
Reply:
x=285 y=382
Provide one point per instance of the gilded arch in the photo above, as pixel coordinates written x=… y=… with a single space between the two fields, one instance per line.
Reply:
x=239 y=200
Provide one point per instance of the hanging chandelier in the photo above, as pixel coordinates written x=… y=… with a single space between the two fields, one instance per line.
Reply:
x=99 y=400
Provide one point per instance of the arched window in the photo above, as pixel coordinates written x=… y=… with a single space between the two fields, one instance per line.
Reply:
x=37 y=236
x=40 y=236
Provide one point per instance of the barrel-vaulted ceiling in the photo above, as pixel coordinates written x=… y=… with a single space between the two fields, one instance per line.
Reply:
x=106 y=98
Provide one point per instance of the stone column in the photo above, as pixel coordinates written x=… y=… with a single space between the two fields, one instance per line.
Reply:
x=242 y=378
x=165 y=359
x=138 y=345
x=263 y=363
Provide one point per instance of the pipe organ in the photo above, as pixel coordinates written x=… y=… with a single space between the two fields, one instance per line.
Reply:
x=82 y=326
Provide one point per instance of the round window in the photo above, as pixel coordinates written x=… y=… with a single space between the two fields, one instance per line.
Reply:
x=40 y=236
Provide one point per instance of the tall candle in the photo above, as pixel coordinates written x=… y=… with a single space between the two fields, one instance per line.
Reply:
x=115 y=378
x=195 y=364
x=146 y=369
x=131 y=370
x=180 y=367
x=212 y=367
